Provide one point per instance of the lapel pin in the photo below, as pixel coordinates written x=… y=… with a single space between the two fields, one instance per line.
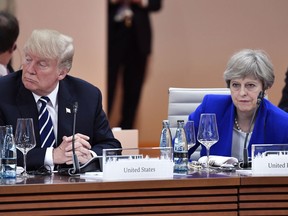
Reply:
x=68 y=110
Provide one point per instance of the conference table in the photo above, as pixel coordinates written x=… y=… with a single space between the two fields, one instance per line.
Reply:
x=198 y=193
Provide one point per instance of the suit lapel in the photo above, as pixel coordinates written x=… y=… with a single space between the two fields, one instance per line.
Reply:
x=65 y=111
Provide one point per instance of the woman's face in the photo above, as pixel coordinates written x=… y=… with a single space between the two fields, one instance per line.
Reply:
x=244 y=92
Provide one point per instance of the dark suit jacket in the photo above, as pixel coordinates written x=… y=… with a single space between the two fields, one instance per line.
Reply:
x=10 y=68
x=18 y=102
x=283 y=104
x=141 y=25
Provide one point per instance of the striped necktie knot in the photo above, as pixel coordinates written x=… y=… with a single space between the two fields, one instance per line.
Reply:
x=45 y=124
x=43 y=100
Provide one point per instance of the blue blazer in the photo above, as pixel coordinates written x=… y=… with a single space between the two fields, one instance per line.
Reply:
x=18 y=102
x=271 y=124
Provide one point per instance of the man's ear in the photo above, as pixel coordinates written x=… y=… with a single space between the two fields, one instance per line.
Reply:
x=63 y=73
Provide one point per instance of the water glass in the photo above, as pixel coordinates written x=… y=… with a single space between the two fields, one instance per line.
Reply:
x=25 y=138
x=208 y=132
x=190 y=134
x=2 y=135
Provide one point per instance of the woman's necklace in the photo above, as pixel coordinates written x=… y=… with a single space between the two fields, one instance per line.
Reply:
x=237 y=125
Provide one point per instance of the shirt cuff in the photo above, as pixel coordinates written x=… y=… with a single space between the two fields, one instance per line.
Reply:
x=93 y=153
x=49 y=157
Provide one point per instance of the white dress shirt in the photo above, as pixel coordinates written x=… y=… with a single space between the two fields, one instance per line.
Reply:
x=3 y=70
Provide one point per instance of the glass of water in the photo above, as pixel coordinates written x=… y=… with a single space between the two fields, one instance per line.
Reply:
x=25 y=138
x=190 y=134
x=208 y=132
x=2 y=136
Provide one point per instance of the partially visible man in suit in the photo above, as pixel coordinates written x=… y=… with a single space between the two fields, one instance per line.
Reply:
x=129 y=45
x=48 y=58
x=283 y=104
x=9 y=31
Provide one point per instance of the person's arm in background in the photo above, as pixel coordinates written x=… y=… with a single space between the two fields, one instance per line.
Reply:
x=151 y=5
x=283 y=104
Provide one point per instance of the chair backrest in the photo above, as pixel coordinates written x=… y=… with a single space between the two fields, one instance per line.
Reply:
x=183 y=101
x=128 y=138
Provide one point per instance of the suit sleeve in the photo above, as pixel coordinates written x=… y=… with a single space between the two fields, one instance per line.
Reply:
x=103 y=137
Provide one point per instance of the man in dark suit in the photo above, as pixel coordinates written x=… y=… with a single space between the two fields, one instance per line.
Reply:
x=9 y=31
x=129 y=45
x=48 y=58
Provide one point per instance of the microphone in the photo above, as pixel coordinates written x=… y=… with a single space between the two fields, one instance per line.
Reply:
x=245 y=150
x=94 y=164
x=76 y=167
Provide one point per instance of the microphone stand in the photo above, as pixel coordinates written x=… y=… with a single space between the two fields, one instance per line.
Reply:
x=245 y=150
x=76 y=167
x=94 y=164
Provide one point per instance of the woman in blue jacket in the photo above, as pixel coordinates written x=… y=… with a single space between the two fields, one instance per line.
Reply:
x=248 y=73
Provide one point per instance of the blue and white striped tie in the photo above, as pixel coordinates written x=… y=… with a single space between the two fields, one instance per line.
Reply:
x=45 y=124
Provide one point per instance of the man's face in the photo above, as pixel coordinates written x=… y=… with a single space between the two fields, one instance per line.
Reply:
x=41 y=75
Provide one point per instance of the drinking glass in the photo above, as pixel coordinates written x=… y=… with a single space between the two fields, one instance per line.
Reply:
x=208 y=132
x=25 y=138
x=2 y=136
x=190 y=134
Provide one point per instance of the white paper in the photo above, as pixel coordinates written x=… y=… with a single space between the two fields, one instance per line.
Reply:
x=142 y=168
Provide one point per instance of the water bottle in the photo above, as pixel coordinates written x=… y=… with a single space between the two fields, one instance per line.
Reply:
x=180 y=149
x=9 y=154
x=165 y=139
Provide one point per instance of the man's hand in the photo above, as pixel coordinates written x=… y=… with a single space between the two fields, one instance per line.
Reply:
x=63 y=153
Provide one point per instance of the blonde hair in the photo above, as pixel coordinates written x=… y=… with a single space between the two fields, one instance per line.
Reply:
x=51 y=44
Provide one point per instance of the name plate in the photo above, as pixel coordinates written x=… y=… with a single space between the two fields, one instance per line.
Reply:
x=127 y=169
x=270 y=159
